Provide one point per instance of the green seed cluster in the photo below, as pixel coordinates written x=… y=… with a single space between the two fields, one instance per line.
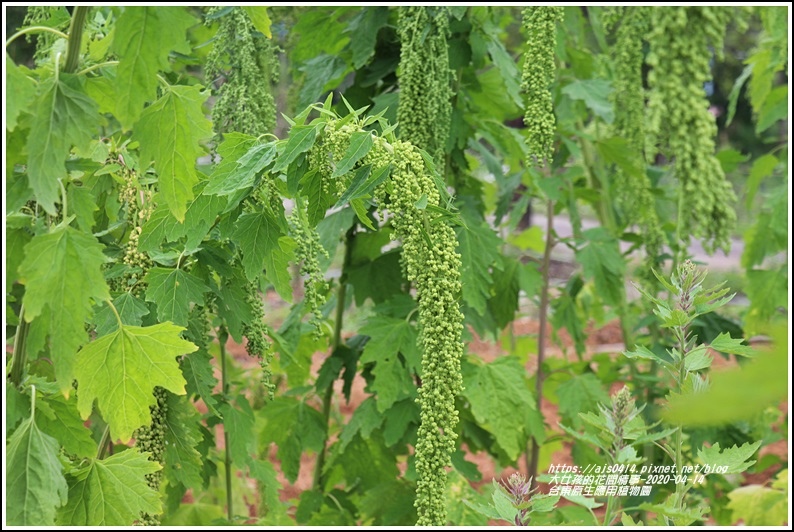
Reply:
x=425 y=108
x=151 y=439
x=433 y=265
x=634 y=195
x=248 y=63
x=137 y=202
x=431 y=262
x=681 y=39
x=307 y=254
x=256 y=332
x=540 y=25
x=326 y=154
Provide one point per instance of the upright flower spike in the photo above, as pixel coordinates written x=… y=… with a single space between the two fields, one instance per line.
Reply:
x=540 y=25
x=247 y=63
x=425 y=108
x=680 y=124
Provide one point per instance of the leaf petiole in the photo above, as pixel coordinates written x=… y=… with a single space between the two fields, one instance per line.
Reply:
x=116 y=312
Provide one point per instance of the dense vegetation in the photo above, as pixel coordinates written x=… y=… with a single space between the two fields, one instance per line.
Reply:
x=176 y=176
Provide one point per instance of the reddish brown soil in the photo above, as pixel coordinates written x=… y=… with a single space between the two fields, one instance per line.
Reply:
x=607 y=339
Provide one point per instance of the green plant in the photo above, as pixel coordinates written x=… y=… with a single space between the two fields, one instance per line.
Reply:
x=242 y=242
x=685 y=362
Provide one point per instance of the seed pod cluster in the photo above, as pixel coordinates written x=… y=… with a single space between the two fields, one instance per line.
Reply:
x=432 y=263
x=540 y=25
x=680 y=124
x=633 y=192
x=255 y=331
x=307 y=254
x=247 y=62
x=151 y=439
x=425 y=108
x=136 y=201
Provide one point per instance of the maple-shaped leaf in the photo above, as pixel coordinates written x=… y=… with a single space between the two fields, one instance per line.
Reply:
x=238 y=174
x=121 y=369
x=182 y=461
x=61 y=420
x=65 y=116
x=131 y=310
x=62 y=274
x=111 y=492
x=198 y=372
x=234 y=146
x=173 y=291
x=20 y=90
x=232 y=306
x=579 y=394
x=238 y=424
x=269 y=488
x=35 y=484
x=157 y=228
x=388 y=338
x=144 y=38
x=81 y=203
x=603 y=262
x=170 y=131
x=259 y=236
x=479 y=250
x=199 y=218
x=736 y=459
x=498 y=392
x=16 y=238
x=294 y=427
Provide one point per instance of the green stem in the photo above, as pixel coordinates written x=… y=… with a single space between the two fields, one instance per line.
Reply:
x=534 y=455
x=610 y=510
x=336 y=343
x=75 y=38
x=223 y=335
x=33 y=402
x=606 y=218
x=64 y=201
x=115 y=312
x=86 y=70
x=20 y=355
x=679 y=435
x=34 y=29
x=104 y=443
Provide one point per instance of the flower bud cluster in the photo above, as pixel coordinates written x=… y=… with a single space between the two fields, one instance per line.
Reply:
x=246 y=62
x=425 y=108
x=680 y=122
x=540 y=25
x=151 y=439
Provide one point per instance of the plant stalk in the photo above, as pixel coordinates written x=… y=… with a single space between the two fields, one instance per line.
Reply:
x=20 y=355
x=534 y=454
x=336 y=343
x=679 y=435
x=223 y=335
x=104 y=443
x=75 y=38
